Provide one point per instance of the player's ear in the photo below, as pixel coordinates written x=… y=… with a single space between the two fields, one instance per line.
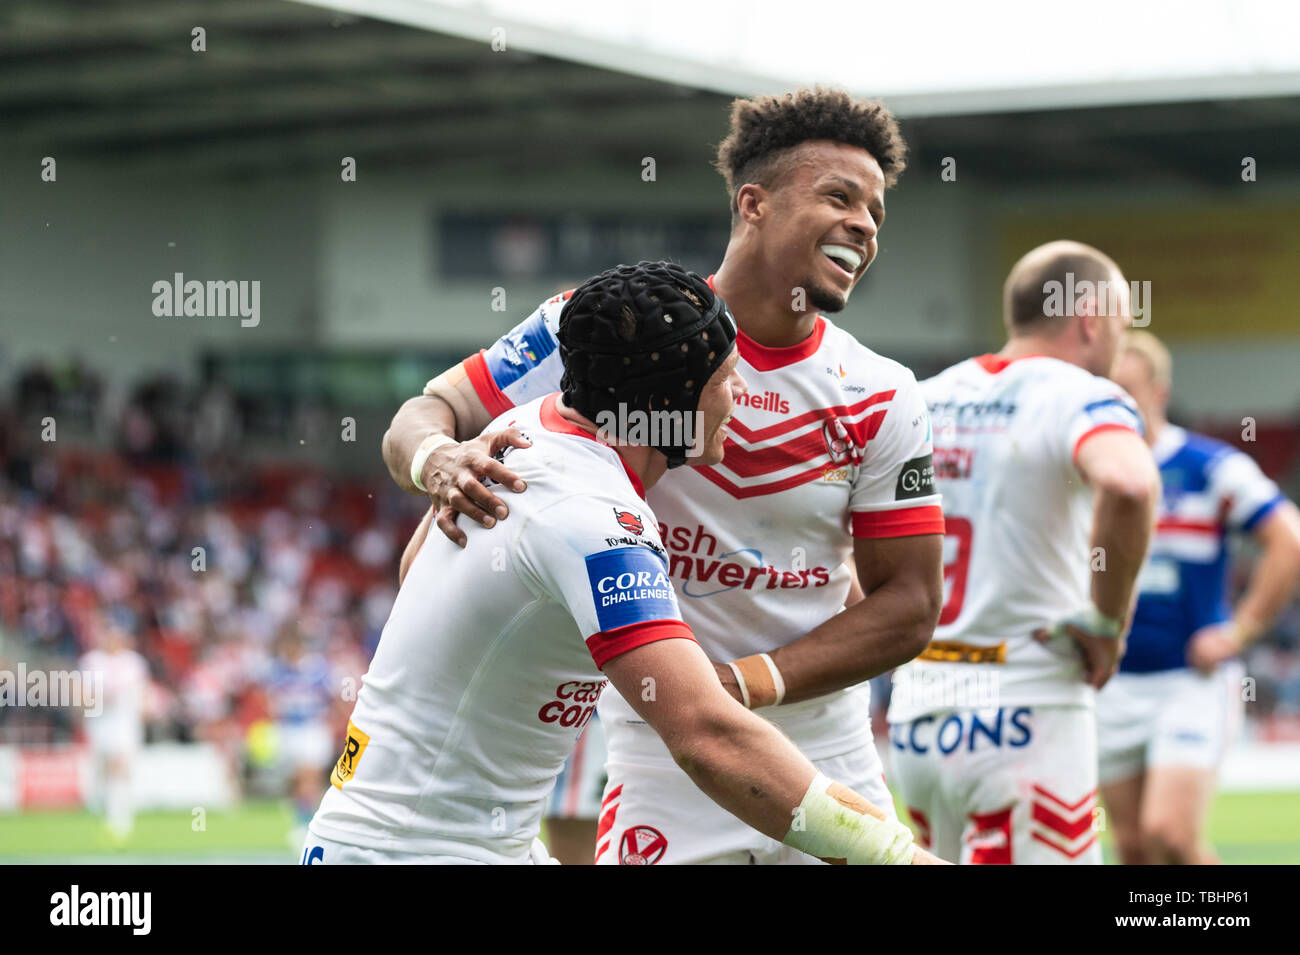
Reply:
x=751 y=201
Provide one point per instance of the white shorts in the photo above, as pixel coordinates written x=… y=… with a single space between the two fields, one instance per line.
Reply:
x=1170 y=718
x=1001 y=786
x=582 y=780
x=308 y=744
x=655 y=815
x=111 y=737
x=318 y=850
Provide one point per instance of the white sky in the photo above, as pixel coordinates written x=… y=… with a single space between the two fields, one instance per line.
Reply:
x=924 y=57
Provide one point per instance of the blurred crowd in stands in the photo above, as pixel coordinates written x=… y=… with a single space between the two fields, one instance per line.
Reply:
x=255 y=589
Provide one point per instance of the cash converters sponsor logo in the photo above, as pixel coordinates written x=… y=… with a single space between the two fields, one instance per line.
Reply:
x=972 y=416
x=691 y=561
x=131 y=909
x=767 y=401
x=574 y=703
x=630 y=585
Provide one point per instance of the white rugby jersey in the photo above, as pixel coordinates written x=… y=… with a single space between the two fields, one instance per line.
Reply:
x=489 y=666
x=831 y=443
x=123 y=679
x=1019 y=517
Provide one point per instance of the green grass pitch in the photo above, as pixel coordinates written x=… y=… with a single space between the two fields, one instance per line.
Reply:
x=1245 y=828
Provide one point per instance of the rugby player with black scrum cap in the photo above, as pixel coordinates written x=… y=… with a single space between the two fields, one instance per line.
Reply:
x=828 y=458
x=493 y=656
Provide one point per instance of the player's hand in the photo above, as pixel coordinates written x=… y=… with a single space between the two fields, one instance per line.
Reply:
x=1211 y=645
x=1101 y=650
x=925 y=857
x=454 y=475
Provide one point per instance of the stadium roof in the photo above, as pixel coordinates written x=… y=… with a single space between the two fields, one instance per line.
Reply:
x=285 y=86
x=925 y=58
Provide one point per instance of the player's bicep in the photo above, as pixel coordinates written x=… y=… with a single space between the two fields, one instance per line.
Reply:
x=1117 y=461
x=455 y=388
x=672 y=686
x=912 y=565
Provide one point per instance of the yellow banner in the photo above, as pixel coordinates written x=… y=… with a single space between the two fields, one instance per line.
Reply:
x=1215 y=271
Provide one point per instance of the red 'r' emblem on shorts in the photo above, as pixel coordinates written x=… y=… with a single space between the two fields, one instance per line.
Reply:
x=641 y=845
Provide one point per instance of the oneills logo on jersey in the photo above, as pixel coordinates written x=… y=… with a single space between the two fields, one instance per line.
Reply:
x=353 y=750
x=767 y=401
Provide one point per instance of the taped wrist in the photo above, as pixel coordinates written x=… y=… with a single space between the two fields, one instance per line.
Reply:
x=838 y=826
x=760 y=681
x=1091 y=620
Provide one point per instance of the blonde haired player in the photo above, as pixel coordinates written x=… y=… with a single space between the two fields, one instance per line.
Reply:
x=1049 y=492
x=1167 y=718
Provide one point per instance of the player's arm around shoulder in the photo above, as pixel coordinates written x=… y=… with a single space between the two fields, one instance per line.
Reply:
x=434 y=443
x=747 y=766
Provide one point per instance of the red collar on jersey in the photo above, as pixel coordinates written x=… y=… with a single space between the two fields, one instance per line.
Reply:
x=763 y=358
x=996 y=363
x=552 y=420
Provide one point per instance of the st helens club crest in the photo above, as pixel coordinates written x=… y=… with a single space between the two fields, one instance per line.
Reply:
x=629 y=521
x=641 y=845
x=838 y=442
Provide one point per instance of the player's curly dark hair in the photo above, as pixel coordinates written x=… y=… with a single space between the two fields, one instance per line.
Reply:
x=764 y=131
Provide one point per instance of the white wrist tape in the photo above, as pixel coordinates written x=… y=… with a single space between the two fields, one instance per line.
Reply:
x=740 y=679
x=1090 y=620
x=426 y=448
x=837 y=825
x=777 y=682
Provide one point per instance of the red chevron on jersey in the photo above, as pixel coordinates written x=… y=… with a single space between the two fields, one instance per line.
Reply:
x=989 y=837
x=609 y=810
x=818 y=414
x=1066 y=827
x=840 y=441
